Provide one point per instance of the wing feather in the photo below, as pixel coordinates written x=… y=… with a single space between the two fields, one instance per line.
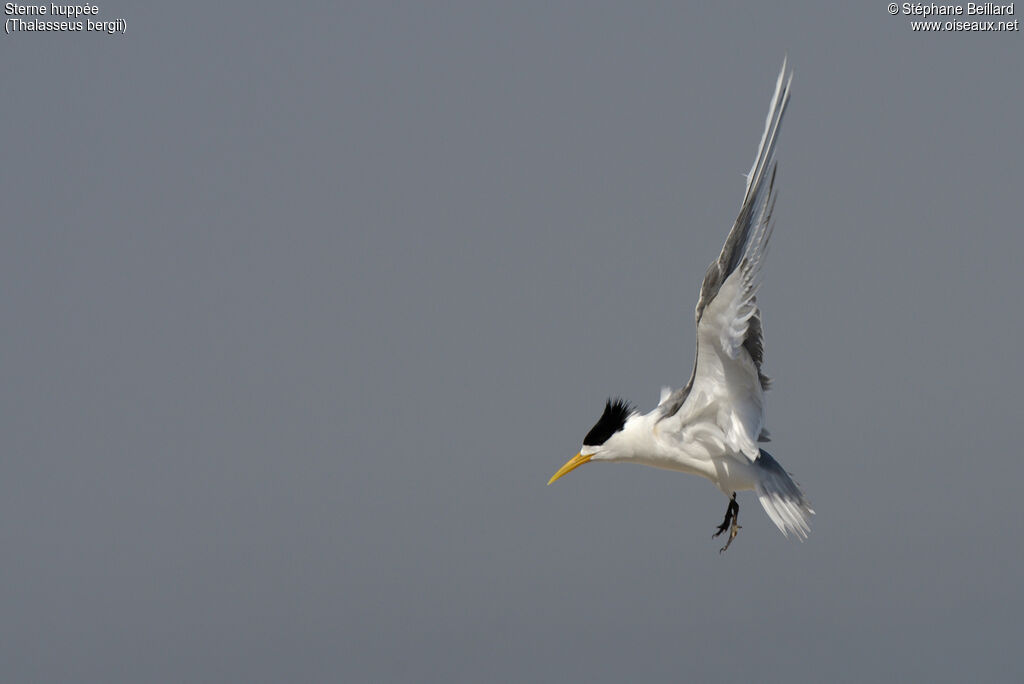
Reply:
x=727 y=381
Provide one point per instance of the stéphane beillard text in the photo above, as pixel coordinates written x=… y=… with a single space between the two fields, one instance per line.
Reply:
x=922 y=9
x=70 y=11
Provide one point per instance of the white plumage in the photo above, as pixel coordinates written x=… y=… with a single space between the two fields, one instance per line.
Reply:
x=713 y=425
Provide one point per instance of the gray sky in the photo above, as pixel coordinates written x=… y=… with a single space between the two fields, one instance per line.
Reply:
x=303 y=307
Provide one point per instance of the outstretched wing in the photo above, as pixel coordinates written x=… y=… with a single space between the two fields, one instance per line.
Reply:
x=727 y=385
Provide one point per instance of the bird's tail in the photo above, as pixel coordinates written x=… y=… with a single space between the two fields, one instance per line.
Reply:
x=782 y=498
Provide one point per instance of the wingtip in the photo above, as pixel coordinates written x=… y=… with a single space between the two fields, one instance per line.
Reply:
x=785 y=80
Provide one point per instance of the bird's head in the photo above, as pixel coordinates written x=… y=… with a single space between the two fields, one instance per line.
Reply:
x=601 y=442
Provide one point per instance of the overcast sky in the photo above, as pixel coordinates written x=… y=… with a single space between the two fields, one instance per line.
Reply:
x=302 y=307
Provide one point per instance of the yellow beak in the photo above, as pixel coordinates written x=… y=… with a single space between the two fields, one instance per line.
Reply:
x=574 y=463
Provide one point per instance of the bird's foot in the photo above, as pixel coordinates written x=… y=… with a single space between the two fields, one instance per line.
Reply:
x=732 y=535
x=731 y=522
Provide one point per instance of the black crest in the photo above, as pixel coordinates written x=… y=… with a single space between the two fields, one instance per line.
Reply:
x=616 y=411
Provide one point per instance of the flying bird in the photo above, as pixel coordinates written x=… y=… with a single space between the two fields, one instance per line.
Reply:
x=713 y=426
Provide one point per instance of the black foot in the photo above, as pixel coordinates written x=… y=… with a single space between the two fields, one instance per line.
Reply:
x=732 y=515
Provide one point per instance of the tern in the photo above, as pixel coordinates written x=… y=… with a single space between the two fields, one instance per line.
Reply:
x=713 y=426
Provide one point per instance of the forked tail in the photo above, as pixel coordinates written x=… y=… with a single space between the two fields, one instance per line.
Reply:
x=782 y=498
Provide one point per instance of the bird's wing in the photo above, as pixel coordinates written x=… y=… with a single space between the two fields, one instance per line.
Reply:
x=726 y=385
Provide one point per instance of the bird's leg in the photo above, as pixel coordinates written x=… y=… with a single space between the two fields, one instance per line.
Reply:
x=732 y=515
x=731 y=511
